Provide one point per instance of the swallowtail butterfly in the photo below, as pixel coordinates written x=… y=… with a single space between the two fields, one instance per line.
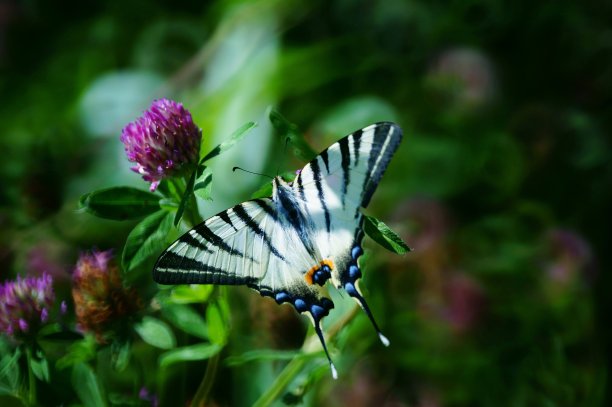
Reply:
x=289 y=245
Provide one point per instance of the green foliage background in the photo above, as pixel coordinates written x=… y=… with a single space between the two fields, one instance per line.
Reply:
x=506 y=109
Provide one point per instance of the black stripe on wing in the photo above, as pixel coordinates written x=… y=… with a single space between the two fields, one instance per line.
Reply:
x=193 y=242
x=357 y=145
x=345 y=157
x=301 y=187
x=325 y=159
x=210 y=236
x=316 y=171
x=387 y=137
x=225 y=216
x=173 y=268
x=251 y=224
x=266 y=208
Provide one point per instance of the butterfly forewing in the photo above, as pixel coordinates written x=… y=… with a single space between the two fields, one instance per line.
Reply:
x=341 y=180
x=246 y=244
x=218 y=251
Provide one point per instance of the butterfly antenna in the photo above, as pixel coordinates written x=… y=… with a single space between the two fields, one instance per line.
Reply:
x=251 y=172
x=317 y=327
x=364 y=305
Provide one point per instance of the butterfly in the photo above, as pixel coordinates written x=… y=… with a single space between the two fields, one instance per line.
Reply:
x=288 y=246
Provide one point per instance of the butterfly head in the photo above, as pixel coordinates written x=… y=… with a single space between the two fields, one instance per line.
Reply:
x=279 y=185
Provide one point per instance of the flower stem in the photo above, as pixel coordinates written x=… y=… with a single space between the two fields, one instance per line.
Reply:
x=31 y=379
x=201 y=396
x=297 y=363
x=194 y=215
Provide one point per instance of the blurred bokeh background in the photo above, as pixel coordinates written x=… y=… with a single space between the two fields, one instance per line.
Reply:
x=502 y=186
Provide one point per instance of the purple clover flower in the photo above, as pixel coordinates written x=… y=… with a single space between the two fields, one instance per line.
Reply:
x=163 y=142
x=25 y=304
x=102 y=304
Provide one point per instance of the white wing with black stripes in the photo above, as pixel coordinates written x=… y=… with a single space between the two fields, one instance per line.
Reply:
x=243 y=245
x=289 y=245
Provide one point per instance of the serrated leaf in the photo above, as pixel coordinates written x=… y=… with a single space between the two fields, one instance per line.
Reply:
x=120 y=203
x=233 y=139
x=384 y=236
x=86 y=386
x=185 y=199
x=290 y=131
x=156 y=333
x=147 y=239
x=189 y=353
x=186 y=319
x=203 y=184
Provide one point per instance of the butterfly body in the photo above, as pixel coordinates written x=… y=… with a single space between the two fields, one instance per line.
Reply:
x=307 y=233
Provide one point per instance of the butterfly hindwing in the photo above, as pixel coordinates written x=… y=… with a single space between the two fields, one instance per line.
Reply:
x=334 y=187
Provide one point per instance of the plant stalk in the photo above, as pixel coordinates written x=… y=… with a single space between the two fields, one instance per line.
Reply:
x=297 y=363
x=201 y=396
x=31 y=399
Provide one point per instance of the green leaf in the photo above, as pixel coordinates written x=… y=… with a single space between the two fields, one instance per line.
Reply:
x=189 y=353
x=147 y=239
x=78 y=352
x=266 y=189
x=168 y=204
x=156 y=333
x=233 y=139
x=203 y=184
x=265 y=354
x=86 y=386
x=189 y=294
x=10 y=373
x=384 y=236
x=40 y=367
x=217 y=325
x=288 y=130
x=120 y=203
x=264 y=192
x=185 y=199
x=120 y=353
x=186 y=319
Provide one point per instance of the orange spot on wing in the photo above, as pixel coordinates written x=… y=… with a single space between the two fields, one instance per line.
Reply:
x=310 y=273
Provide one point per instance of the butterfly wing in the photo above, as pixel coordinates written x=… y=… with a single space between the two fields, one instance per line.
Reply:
x=244 y=245
x=333 y=188
x=247 y=245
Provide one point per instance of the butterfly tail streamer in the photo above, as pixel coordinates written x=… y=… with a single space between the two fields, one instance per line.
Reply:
x=317 y=327
x=353 y=291
x=350 y=284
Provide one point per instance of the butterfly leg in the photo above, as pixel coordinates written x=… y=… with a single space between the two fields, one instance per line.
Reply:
x=351 y=286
